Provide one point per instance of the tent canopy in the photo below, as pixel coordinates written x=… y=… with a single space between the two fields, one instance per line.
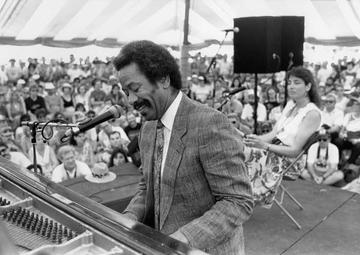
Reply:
x=110 y=23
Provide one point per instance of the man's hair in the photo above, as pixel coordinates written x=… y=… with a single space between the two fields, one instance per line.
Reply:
x=153 y=60
x=64 y=150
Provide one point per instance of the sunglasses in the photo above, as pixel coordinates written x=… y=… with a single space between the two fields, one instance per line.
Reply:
x=2 y=151
x=329 y=101
x=323 y=140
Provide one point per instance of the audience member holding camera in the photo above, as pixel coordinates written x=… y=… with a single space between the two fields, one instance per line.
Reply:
x=322 y=161
x=269 y=155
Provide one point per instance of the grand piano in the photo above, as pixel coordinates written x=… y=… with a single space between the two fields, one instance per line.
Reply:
x=42 y=217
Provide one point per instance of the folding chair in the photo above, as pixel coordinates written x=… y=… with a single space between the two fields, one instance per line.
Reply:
x=279 y=202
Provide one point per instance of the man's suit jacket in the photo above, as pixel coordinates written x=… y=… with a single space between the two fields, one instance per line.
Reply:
x=205 y=189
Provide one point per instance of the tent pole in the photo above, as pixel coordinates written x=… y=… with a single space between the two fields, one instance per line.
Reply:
x=184 y=63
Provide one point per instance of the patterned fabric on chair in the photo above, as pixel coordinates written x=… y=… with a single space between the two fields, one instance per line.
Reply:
x=266 y=171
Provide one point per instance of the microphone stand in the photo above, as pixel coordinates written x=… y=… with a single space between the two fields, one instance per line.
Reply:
x=33 y=125
x=213 y=63
x=291 y=63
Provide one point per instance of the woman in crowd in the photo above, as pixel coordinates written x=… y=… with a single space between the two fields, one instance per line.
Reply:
x=115 y=94
x=15 y=108
x=118 y=157
x=82 y=97
x=268 y=155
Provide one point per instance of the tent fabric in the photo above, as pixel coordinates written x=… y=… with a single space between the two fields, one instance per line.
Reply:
x=111 y=23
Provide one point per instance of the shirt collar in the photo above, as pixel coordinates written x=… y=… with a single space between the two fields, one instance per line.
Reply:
x=169 y=116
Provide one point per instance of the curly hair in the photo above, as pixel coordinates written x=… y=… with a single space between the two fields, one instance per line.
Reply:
x=307 y=77
x=153 y=60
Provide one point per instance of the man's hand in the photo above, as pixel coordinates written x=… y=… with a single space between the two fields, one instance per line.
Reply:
x=179 y=236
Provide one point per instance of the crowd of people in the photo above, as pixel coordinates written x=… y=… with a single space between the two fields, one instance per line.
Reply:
x=79 y=89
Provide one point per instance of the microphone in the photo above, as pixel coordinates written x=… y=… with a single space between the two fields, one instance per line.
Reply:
x=234 y=91
x=235 y=30
x=113 y=112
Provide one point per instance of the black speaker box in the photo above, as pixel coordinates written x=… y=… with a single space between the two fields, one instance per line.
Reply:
x=268 y=44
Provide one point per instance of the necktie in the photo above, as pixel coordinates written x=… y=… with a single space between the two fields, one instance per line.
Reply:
x=158 y=152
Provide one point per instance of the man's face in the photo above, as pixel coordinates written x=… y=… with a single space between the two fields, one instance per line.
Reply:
x=151 y=100
x=115 y=140
x=69 y=161
x=6 y=134
x=4 y=152
x=132 y=121
x=323 y=142
x=330 y=103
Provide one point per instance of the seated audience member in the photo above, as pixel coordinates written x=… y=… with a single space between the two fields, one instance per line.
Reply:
x=7 y=136
x=133 y=128
x=341 y=99
x=349 y=137
x=106 y=129
x=34 y=102
x=202 y=91
x=118 y=157
x=117 y=142
x=248 y=110
x=322 y=161
x=331 y=116
x=268 y=155
x=45 y=156
x=53 y=101
x=97 y=96
x=70 y=167
x=84 y=151
x=14 y=156
x=68 y=100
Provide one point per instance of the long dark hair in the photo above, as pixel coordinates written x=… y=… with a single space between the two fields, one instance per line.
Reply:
x=113 y=155
x=307 y=77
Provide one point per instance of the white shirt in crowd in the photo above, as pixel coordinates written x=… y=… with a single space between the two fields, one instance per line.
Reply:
x=201 y=92
x=248 y=112
x=19 y=158
x=333 y=154
x=168 y=121
x=104 y=138
x=60 y=174
x=333 y=118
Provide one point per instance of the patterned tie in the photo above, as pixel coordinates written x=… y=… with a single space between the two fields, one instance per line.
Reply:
x=158 y=152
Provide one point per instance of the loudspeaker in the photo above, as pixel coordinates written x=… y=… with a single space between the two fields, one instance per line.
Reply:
x=268 y=44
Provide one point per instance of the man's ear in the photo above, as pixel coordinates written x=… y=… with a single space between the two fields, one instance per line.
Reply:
x=165 y=82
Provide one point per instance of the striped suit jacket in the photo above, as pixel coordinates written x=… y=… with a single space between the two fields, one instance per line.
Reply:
x=205 y=189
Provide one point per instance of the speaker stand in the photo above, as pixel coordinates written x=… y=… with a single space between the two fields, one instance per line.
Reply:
x=255 y=104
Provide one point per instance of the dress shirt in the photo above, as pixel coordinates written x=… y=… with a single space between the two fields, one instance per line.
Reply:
x=168 y=121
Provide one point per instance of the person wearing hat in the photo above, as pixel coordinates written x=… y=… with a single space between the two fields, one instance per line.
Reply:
x=54 y=102
x=13 y=72
x=322 y=161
